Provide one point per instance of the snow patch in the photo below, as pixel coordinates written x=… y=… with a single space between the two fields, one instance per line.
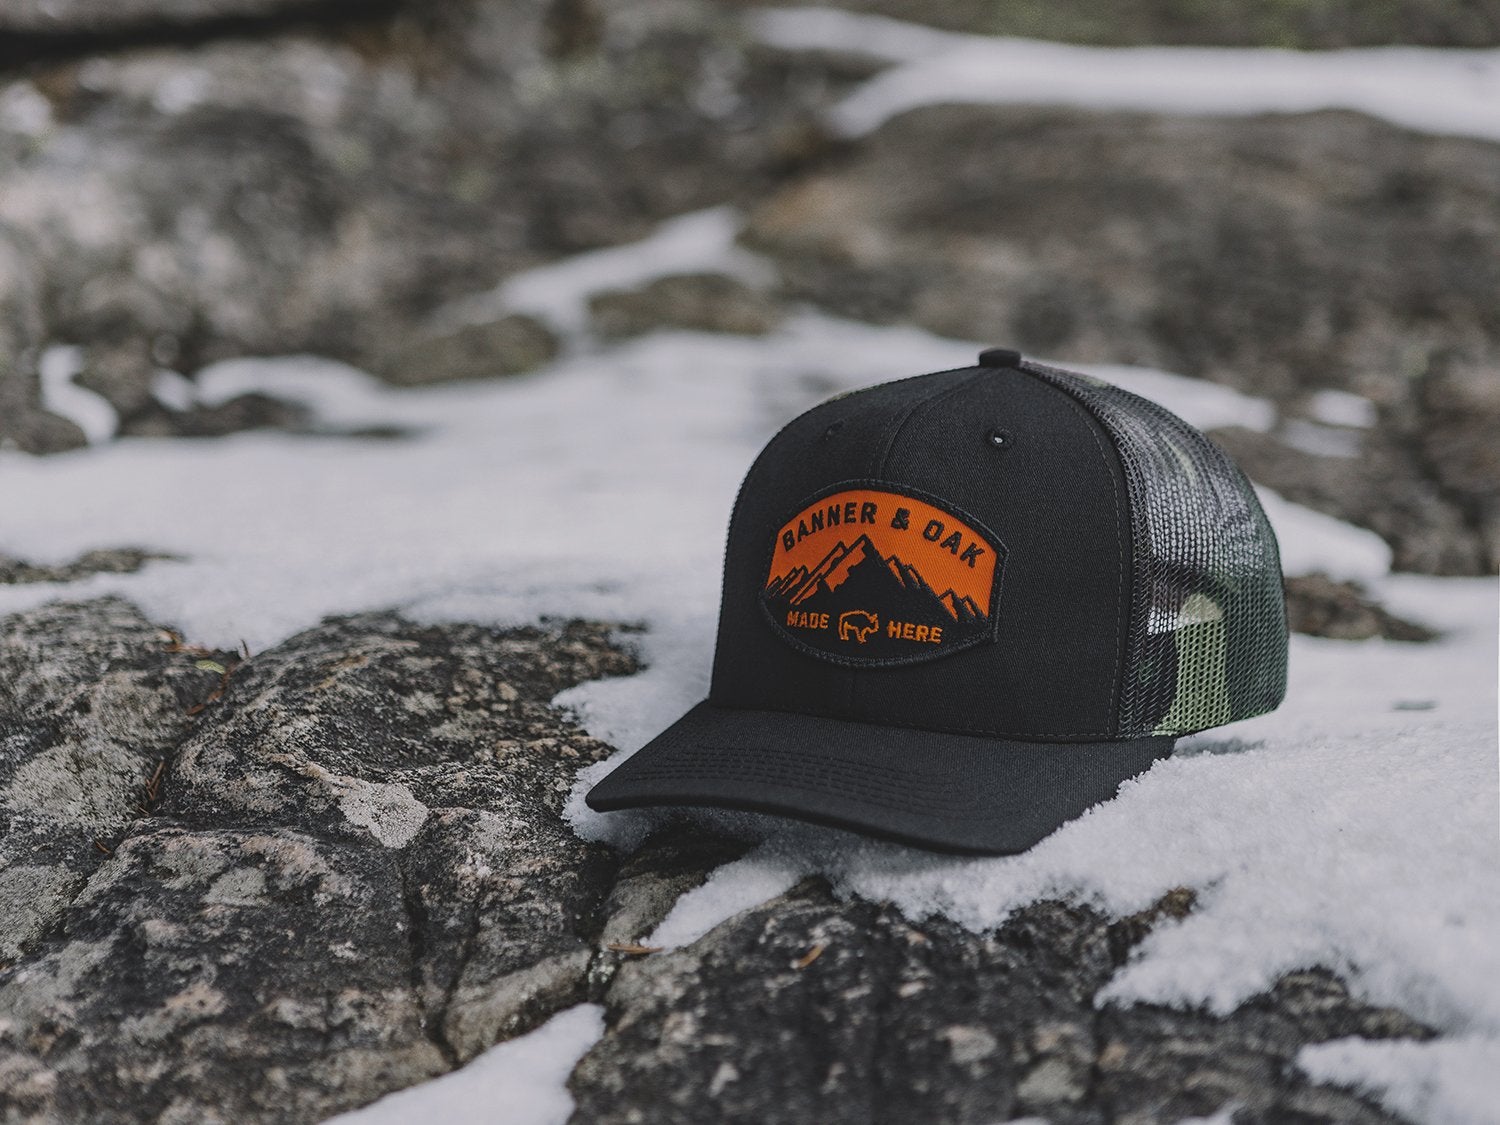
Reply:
x=24 y=109
x=522 y=1081
x=1340 y=408
x=1436 y=90
x=699 y=242
x=1311 y=541
x=91 y=412
x=173 y=390
x=1319 y=440
x=1224 y=1116
x=738 y=886
x=337 y=395
x=1447 y=1080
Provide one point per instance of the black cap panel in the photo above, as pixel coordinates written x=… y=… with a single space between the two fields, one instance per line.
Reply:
x=1207 y=641
x=1052 y=490
x=1047 y=490
x=843 y=438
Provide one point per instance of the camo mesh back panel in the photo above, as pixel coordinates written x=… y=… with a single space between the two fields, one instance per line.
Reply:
x=1207 y=640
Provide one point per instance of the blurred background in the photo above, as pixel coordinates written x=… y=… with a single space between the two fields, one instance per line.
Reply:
x=188 y=181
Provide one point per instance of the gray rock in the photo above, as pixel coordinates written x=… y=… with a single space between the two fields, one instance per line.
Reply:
x=354 y=876
x=95 y=17
x=1309 y=24
x=1388 y=488
x=1237 y=250
x=122 y=373
x=253 y=411
x=1454 y=430
x=1302 y=24
x=653 y=877
x=195 y=983
x=290 y=191
x=30 y=428
x=507 y=346
x=1171 y=241
x=24 y=424
x=91 y=704
x=114 y=560
x=700 y=302
x=1158 y=1064
x=811 y=1009
x=1322 y=607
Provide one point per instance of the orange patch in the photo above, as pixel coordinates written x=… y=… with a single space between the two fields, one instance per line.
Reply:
x=965 y=567
x=875 y=576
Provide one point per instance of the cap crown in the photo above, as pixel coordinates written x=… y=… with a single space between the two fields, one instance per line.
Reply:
x=1019 y=552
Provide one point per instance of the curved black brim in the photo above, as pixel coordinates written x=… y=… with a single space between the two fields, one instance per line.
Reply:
x=948 y=792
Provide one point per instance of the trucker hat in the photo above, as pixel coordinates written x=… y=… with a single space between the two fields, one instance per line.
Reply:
x=960 y=609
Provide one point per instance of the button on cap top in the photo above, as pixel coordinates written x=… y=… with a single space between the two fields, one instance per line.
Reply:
x=999 y=357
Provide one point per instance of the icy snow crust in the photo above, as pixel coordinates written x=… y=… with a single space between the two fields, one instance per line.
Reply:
x=1354 y=828
x=522 y=1081
x=1450 y=1080
x=1436 y=90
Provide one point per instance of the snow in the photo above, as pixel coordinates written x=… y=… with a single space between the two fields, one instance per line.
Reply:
x=699 y=242
x=340 y=397
x=24 y=109
x=496 y=507
x=1320 y=441
x=1340 y=408
x=173 y=390
x=737 y=886
x=61 y=395
x=519 y=1082
x=1345 y=829
x=1354 y=828
x=1447 y=1080
x=1436 y=90
x=1311 y=541
x=833 y=29
x=1224 y=1116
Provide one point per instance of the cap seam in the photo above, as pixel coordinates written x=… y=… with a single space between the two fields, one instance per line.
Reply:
x=900 y=424
x=790 y=422
x=1094 y=425
x=881 y=466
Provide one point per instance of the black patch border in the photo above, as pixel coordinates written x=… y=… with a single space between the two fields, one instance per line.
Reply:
x=990 y=636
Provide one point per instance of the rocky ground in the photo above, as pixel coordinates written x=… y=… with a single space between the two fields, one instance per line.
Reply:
x=278 y=887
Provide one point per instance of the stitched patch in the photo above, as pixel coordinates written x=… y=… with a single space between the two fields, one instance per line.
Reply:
x=877 y=575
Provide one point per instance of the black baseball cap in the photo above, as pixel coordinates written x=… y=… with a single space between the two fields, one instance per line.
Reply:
x=960 y=609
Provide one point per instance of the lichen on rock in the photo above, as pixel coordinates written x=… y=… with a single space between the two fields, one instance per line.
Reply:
x=343 y=889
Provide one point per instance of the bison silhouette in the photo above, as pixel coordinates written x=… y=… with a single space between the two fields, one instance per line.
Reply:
x=860 y=622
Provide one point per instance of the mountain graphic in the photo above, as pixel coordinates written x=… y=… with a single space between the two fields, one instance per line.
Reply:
x=856 y=575
x=960 y=606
